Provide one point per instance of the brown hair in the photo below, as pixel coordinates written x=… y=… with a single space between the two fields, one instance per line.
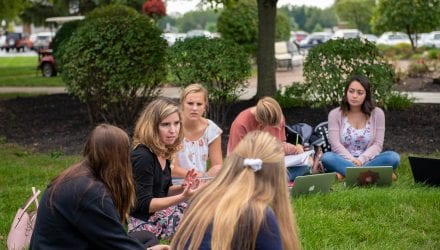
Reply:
x=236 y=201
x=106 y=157
x=268 y=112
x=368 y=104
x=147 y=127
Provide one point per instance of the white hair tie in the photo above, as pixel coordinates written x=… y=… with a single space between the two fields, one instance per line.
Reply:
x=255 y=164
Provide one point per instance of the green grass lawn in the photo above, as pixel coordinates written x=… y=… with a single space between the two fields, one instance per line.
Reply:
x=22 y=71
x=403 y=216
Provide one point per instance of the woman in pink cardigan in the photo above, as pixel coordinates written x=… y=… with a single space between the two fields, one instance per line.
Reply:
x=356 y=131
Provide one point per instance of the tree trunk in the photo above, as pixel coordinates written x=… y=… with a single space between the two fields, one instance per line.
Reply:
x=266 y=80
x=409 y=33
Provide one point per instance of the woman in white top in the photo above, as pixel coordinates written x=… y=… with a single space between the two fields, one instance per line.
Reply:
x=202 y=137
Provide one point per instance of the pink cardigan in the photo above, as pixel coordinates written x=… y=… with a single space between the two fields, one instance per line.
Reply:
x=375 y=145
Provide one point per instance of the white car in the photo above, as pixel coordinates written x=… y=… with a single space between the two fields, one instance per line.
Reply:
x=433 y=39
x=195 y=33
x=370 y=37
x=171 y=38
x=347 y=33
x=42 y=40
x=393 y=38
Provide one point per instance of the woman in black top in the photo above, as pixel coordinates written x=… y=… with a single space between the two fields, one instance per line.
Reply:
x=159 y=205
x=85 y=206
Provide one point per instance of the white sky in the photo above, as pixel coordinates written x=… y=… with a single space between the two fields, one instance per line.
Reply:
x=182 y=6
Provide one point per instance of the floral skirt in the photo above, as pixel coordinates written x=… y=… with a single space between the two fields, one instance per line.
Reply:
x=162 y=223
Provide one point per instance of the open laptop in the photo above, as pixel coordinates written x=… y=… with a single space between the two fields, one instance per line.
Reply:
x=360 y=176
x=316 y=183
x=425 y=170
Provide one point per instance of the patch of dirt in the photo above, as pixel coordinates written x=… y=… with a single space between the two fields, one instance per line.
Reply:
x=60 y=123
x=418 y=84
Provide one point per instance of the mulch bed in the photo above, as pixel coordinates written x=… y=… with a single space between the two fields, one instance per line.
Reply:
x=60 y=123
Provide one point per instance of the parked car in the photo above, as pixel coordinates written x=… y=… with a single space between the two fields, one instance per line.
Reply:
x=16 y=41
x=370 y=37
x=42 y=40
x=433 y=39
x=171 y=38
x=298 y=36
x=347 y=33
x=393 y=38
x=314 y=39
x=195 y=33
x=419 y=39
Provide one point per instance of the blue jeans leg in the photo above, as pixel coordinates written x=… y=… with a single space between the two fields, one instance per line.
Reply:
x=386 y=158
x=295 y=171
x=335 y=163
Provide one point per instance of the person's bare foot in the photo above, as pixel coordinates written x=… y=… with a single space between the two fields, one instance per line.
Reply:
x=394 y=177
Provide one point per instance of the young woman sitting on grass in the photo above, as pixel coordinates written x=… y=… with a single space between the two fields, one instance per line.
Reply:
x=357 y=131
x=202 y=137
x=85 y=206
x=246 y=206
x=267 y=116
x=160 y=205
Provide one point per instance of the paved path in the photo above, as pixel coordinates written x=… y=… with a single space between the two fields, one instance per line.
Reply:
x=284 y=78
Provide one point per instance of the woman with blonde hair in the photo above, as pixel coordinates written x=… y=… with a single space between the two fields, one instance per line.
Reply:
x=267 y=116
x=159 y=205
x=202 y=137
x=86 y=205
x=246 y=206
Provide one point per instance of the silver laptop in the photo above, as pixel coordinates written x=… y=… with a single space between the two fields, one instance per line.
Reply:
x=316 y=183
x=361 y=176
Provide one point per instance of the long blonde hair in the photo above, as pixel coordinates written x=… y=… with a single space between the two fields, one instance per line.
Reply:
x=239 y=197
x=146 y=130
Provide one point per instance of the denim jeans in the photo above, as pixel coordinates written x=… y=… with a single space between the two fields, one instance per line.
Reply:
x=293 y=172
x=336 y=163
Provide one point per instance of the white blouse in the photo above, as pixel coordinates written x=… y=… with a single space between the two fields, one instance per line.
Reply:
x=194 y=154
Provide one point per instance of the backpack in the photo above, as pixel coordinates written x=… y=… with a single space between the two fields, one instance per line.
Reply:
x=302 y=133
x=321 y=130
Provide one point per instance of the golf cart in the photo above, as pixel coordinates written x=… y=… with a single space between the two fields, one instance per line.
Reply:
x=46 y=61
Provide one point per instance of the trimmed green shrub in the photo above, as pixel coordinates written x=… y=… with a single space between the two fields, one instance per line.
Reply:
x=294 y=95
x=433 y=54
x=329 y=65
x=114 y=63
x=62 y=36
x=397 y=100
x=221 y=66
